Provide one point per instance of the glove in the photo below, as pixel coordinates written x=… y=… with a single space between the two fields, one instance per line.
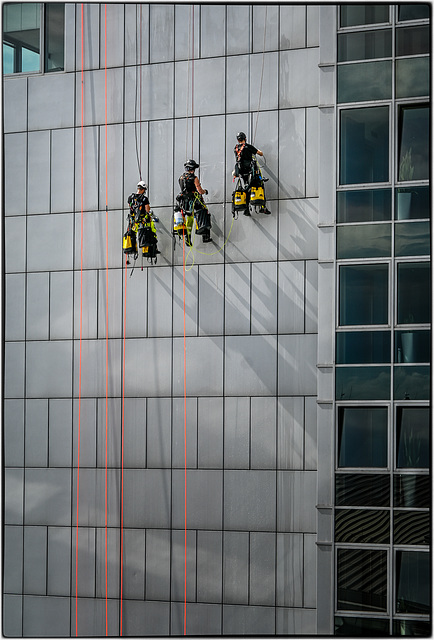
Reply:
x=206 y=192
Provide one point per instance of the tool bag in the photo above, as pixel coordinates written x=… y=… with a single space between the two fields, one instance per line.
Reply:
x=239 y=197
x=147 y=237
x=203 y=221
x=129 y=243
x=257 y=196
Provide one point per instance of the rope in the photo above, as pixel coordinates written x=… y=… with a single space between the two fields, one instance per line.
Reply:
x=185 y=444
x=122 y=443
x=262 y=75
x=205 y=253
x=81 y=316
x=138 y=83
x=107 y=316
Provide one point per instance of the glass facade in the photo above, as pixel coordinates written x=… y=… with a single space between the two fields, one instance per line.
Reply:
x=382 y=373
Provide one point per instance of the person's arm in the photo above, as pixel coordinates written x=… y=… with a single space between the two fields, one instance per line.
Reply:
x=199 y=187
x=259 y=152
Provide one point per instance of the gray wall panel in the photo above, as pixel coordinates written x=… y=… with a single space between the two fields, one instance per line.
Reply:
x=298 y=229
x=250 y=367
x=14 y=306
x=150 y=97
x=290 y=432
x=289 y=570
x=213 y=27
x=155 y=380
x=158 y=554
x=211 y=300
x=262 y=569
x=312 y=151
x=252 y=239
x=14 y=104
x=12 y=616
x=180 y=568
x=191 y=301
x=263 y=93
x=266 y=138
x=14 y=354
x=135 y=431
x=88 y=431
x=85 y=303
x=297 y=365
x=48 y=497
x=13 y=433
x=187 y=23
x=145 y=618
x=209 y=566
x=246 y=621
x=91 y=500
x=92 y=31
x=62 y=170
x=112 y=26
x=159 y=432
x=210 y=433
x=133 y=564
x=107 y=550
x=58 y=561
x=291 y=297
x=312 y=25
x=93 y=615
x=209 y=86
x=292 y=153
x=109 y=435
x=162 y=30
x=264 y=298
x=15 y=150
x=61 y=305
x=236 y=567
x=58 y=111
x=36 y=433
x=48 y=369
x=38 y=175
x=265 y=21
x=311 y=440
x=263 y=433
x=296 y=622
x=95 y=241
x=296 y=498
x=87 y=197
x=299 y=69
x=37 y=307
x=110 y=289
x=292 y=27
x=35 y=560
x=136 y=33
x=310 y=571
x=13 y=559
x=202 y=619
x=85 y=559
x=311 y=303
x=49 y=242
x=237 y=298
x=212 y=154
x=70 y=31
x=184 y=435
x=250 y=500
x=60 y=429
x=161 y=162
x=115 y=149
x=15 y=249
x=13 y=488
x=93 y=372
x=204 y=366
x=239 y=22
x=149 y=498
x=238 y=69
x=204 y=499
x=46 y=616
x=237 y=433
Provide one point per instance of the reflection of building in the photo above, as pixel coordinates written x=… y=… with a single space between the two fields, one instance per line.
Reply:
x=308 y=335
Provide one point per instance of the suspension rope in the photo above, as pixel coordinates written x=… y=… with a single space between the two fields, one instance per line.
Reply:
x=122 y=442
x=107 y=319
x=138 y=94
x=185 y=442
x=262 y=75
x=205 y=253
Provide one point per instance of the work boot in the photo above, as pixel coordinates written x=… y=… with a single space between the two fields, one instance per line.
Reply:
x=246 y=212
x=206 y=237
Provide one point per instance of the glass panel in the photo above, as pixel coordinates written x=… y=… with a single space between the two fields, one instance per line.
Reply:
x=412 y=203
x=412 y=383
x=8 y=58
x=371 y=627
x=412 y=628
x=363 y=383
x=414 y=287
x=21 y=31
x=413 y=11
x=412 y=346
x=362 y=437
x=412 y=239
x=411 y=527
x=414 y=143
x=369 y=205
x=364 y=45
x=363 y=294
x=412 y=437
x=412 y=77
x=353 y=14
x=412 y=491
x=412 y=41
x=412 y=582
x=365 y=81
x=362 y=526
x=362 y=347
x=54 y=34
x=365 y=241
x=362 y=490
x=362 y=580
x=364 y=145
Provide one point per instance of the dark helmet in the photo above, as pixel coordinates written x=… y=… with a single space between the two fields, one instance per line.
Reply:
x=241 y=136
x=191 y=164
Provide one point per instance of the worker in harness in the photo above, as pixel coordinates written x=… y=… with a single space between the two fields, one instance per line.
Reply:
x=249 y=175
x=141 y=226
x=190 y=206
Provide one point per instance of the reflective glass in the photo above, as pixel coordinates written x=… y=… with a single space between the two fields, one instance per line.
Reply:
x=365 y=81
x=371 y=627
x=353 y=14
x=412 y=437
x=412 y=77
x=413 y=11
x=364 y=145
x=362 y=526
x=362 y=580
x=21 y=30
x=413 y=129
x=363 y=294
x=364 y=45
x=363 y=347
x=412 y=582
x=362 y=436
x=412 y=41
x=362 y=490
x=411 y=527
x=412 y=239
x=364 y=241
x=412 y=346
x=54 y=35
x=420 y=628
x=411 y=383
x=412 y=203
x=369 y=205
x=8 y=58
x=414 y=288
x=363 y=383
x=412 y=491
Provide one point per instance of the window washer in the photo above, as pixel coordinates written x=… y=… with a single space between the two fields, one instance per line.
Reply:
x=191 y=206
x=141 y=222
x=247 y=170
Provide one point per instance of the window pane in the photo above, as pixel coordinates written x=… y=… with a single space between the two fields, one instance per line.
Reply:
x=364 y=241
x=364 y=45
x=362 y=526
x=371 y=627
x=54 y=30
x=364 y=145
x=412 y=582
x=412 y=239
x=411 y=383
x=365 y=81
x=362 y=347
x=8 y=58
x=362 y=490
x=412 y=77
x=412 y=491
x=412 y=346
x=412 y=628
x=413 y=11
x=411 y=527
x=363 y=294
x=362 y=437
x=414 y=143
x=353 y=14
x=21 y=30
x=412 y=203
x=414 y=288
x=363 y=383
x=412 y=437
x=369 y=205
x=362 y=580
x=412 y=41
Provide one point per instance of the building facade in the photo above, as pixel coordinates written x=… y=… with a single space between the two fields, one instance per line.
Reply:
x=234 y=441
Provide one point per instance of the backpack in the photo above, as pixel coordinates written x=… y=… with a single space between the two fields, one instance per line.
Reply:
x=186 y=184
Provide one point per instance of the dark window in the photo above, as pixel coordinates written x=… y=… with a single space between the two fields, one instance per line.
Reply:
x=412 y=41
x=362 y=526
x=364 y=45
x=362 y=383
x=412 y=239
x=412 y=437
x=412 y=203
x=412 y=490
x=363 y=294
x=413 y=11
x=369 y=205
x=412 y=78
x=365 y=81
x=411 y=527
x=362 y=436
x=362 y=347
x=362 y=580
x=414 y=287
x=364 y=145
x=54 y=36
x=411 y=382
x=412 y=628
x=413 y=142
x=412 y=582
x=362 y=490
x=412 y=346
x=370 y=627
x=354 y=14
x=363 y=241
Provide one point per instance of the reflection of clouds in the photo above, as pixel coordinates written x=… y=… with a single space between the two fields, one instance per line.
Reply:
x=363 y=383
x=412 y=383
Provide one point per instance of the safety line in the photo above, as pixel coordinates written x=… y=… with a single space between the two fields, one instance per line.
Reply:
x=81 y=317
x=122 y=442
x=192 y=82
x=185 y=444
x=262 y=75
x=205 y=253
x=107 y=316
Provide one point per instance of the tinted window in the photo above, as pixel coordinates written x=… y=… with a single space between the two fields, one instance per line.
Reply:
x=412 y=490
x=364 y=45
x=411 y=382
x=363 y=383
x=412 y=77
x=412 y=437
x=412 y=203
x=373 y=627
x=411 y=527
x=363 y=294
x=362 y=580
x=414 y=11
x=414 y=288
x=412 y=239
x=353 y=14
x=21 y=34
x=54 y=34
x=362 y=490
x=362 y=526
x=412 y=582
x=362 y=347
x=369 y=205
x=365 y=81
x=362 y=436
x=412 y=40
x=412 y=346
x=413 y=140
x=364 y=241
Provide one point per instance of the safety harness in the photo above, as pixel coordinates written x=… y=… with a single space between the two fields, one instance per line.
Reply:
x=141 y=229
x=189 y=209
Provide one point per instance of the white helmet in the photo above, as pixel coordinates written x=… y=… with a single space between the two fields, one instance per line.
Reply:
x=142 y=185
